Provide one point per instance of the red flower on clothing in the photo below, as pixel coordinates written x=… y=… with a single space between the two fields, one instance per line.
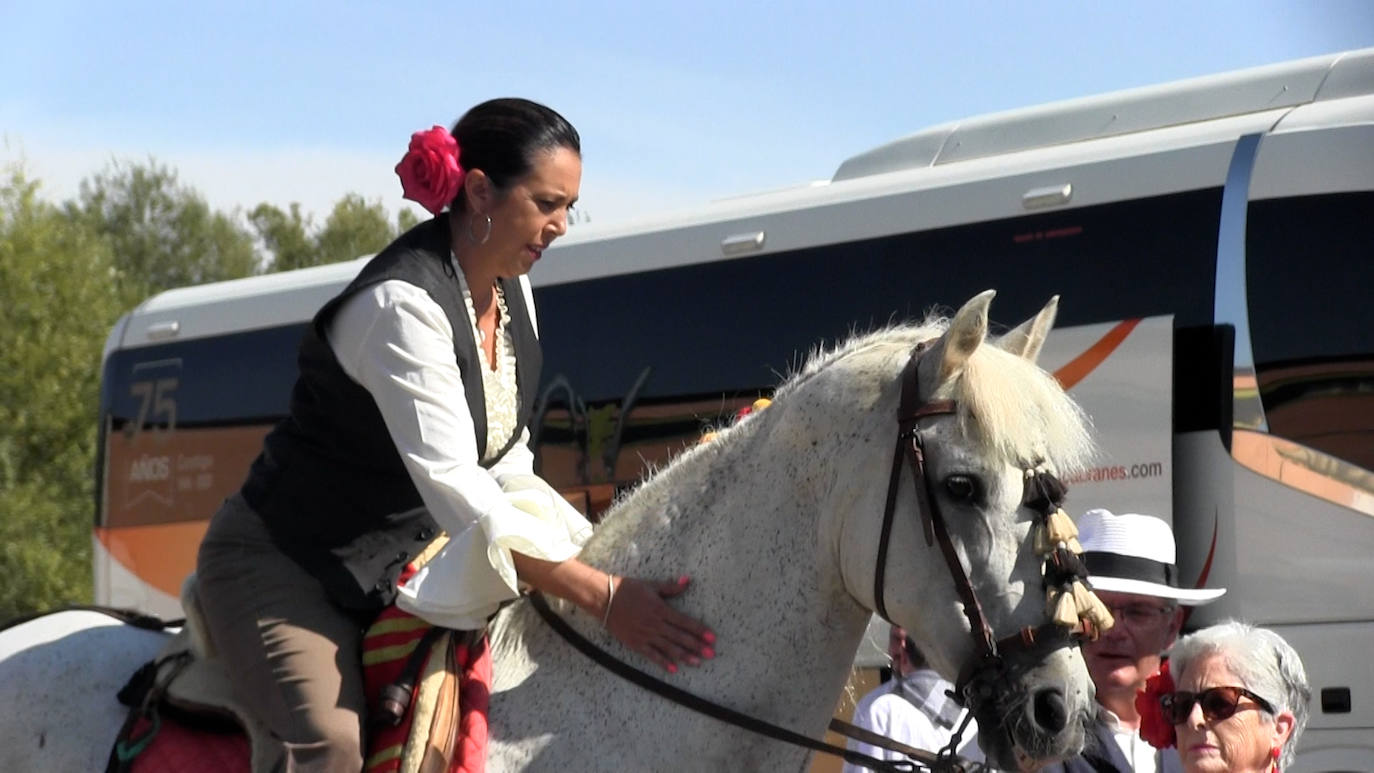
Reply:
x=1154 y=728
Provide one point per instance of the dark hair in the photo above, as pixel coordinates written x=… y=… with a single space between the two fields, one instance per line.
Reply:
x=502 y=137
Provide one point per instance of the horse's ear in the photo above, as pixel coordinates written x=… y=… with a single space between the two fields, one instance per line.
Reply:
x=966 y=333
x=1026 y=338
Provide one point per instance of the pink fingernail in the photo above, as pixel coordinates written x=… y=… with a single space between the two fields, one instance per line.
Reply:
x=708 y=653
x=709 y=637
x=683 y=580
x=672 y=669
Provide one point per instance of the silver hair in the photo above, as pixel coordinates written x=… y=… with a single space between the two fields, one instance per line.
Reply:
x=1264 y=663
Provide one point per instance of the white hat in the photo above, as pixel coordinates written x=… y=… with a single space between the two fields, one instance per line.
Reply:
x=1132 y=553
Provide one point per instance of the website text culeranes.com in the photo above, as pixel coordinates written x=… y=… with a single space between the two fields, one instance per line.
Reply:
x=1117 y=472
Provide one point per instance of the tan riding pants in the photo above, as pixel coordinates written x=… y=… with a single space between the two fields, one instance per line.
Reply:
x=294 y=658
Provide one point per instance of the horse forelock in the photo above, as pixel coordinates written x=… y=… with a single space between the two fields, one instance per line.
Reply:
x=1021 y=414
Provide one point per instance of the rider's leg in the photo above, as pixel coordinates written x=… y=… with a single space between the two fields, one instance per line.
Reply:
x=294 y=658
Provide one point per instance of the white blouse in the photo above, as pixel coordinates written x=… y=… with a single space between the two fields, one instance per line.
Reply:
x=396 y=342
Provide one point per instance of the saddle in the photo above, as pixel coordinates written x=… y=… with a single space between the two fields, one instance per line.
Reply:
x=428 y=689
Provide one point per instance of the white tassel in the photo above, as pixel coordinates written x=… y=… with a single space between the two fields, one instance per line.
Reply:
x=1061 y=607
x=1090 y=607
x=1061 y=527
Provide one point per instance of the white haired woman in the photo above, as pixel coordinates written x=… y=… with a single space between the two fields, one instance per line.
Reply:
x=1240 y=703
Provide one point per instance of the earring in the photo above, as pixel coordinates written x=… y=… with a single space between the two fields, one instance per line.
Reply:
x=486 y=234
x=1274 y=755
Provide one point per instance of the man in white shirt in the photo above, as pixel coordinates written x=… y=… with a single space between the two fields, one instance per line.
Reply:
x=913 y=708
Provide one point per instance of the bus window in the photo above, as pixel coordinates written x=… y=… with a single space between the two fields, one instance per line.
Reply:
x=1310 y=271
x=714 y=336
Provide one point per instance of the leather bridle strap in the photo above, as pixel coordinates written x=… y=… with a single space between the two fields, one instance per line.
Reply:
x=911 y=446
x=722 y=713
x=978 y=622
x=907 y=415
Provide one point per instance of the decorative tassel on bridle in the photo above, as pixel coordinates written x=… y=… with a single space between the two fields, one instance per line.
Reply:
x=1069 y=599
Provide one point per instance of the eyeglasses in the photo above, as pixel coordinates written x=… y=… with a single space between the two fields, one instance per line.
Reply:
x=1217 y=703
x=1139 y=615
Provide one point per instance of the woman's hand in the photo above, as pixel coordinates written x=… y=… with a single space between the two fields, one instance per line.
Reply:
x=633 y=610
x=640 y=618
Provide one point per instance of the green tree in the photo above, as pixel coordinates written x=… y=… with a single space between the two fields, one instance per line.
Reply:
x=406 y=219
x=284 y=235
x=354 y=228
x=66 y=274
x=161 y=234
x=56 y=307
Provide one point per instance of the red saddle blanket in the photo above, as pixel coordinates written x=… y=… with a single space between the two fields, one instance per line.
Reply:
x=456 y=743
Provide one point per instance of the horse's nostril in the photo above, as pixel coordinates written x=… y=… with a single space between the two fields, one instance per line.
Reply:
x=1050 y=712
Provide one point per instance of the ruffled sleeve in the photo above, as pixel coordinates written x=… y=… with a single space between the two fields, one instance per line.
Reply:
x=474 y=573
x=395 y=341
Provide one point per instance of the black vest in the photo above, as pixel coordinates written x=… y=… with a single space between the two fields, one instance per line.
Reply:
x=329 y=483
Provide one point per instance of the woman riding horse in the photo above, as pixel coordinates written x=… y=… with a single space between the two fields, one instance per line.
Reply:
x=409 y=417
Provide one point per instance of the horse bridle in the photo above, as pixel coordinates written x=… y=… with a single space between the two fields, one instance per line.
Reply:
x=1074 y=611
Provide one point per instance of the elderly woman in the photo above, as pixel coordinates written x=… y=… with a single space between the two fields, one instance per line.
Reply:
x=1240 y=701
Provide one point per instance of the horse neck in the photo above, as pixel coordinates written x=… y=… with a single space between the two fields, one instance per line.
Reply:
x=738 y=518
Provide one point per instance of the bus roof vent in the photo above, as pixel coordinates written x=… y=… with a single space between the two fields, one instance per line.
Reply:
x=1123 y=112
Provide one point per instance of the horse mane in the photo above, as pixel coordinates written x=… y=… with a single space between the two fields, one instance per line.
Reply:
x=1012 y=408
x=1015 y=411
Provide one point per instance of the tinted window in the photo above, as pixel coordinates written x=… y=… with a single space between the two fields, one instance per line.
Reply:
x=1310 y=275
x=735 y=326
x=221 y=380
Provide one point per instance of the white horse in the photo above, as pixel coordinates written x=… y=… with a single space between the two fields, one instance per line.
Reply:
x=778 y=521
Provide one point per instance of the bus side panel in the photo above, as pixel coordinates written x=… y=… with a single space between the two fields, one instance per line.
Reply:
x=180 y=424
x=162 y=489
x=1121 y=374
x=1289 y=561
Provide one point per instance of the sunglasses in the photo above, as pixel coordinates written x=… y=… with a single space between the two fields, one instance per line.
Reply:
x=1217 y=703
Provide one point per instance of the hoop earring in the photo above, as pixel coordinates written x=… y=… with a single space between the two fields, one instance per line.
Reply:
x=472 y=235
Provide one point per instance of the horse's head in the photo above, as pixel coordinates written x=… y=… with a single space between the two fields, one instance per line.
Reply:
x=982 y=429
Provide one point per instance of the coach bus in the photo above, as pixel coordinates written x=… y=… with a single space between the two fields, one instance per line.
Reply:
x=1212 y=241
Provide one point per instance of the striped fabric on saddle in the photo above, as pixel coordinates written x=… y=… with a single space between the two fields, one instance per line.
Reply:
x=445 y=679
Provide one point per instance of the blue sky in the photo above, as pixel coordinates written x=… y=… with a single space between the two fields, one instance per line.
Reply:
x=676 y=103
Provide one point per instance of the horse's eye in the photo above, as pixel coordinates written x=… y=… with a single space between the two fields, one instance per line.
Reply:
x=961 y=488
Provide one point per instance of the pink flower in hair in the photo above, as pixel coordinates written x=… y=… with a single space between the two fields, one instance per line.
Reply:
x=429 y=171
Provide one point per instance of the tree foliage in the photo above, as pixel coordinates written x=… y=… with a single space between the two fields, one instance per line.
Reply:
x=161 y=234
x=284 y=236
x=56 y=307
x=354 y=228
x=66 y=274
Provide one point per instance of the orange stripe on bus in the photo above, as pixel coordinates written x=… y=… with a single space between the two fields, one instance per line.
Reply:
x=1079 y=367
x=160 y=555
